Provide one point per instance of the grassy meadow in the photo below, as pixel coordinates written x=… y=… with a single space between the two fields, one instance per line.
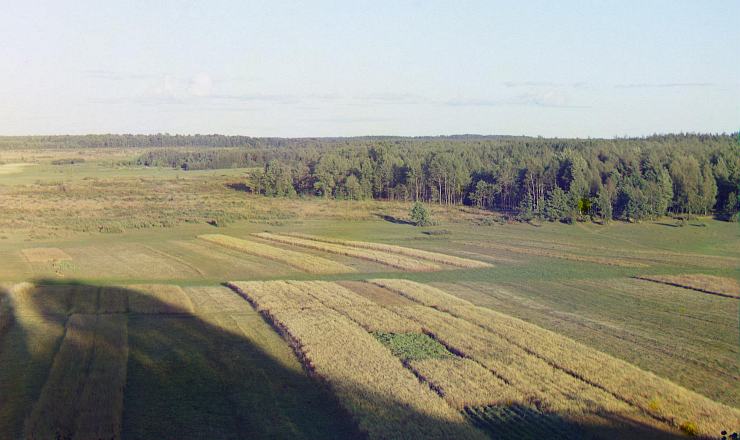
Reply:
x=144 y=303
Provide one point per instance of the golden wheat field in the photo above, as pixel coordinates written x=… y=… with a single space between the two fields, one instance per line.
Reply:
x=494 y=359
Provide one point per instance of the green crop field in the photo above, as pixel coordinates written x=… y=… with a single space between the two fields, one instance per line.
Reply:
x=141 y=302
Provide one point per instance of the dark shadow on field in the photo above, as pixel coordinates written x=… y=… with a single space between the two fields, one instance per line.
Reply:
x=670 y=225
x=185 y=377
x=395 y=220
x=239 y=186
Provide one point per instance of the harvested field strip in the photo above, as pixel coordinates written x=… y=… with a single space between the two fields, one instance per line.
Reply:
x=522 y=421
x=400 y=250
x=714 y=285
x=359 y=309
x=562 y=255
x=385 y=398
x=45 y=255
x=464 y=382
x=392 y=260
x=88 y=375
x=208 y=300
x=531 y=377
x=657 y=397
x=302 y=261
x=421 y=293
x=158 y=298
x=26 y=355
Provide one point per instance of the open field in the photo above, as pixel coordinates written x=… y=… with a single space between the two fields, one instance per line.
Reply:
x=110 y=293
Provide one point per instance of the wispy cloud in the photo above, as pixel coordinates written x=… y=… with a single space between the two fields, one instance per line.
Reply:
x=662 y=85
x=551 y=98
x=537 y=84
x=111 y=75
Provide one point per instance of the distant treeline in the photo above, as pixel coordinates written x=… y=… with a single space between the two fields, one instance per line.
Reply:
x=554 y=179
x=557 y=179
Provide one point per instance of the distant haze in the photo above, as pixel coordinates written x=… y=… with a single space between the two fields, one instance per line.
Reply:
x=322 y=68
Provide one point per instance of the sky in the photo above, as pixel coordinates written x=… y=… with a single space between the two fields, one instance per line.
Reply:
x=347 y=68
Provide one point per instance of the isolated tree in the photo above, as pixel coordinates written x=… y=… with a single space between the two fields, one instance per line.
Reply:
x=420 y=215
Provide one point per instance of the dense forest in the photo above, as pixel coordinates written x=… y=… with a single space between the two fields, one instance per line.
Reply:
x=556 y=179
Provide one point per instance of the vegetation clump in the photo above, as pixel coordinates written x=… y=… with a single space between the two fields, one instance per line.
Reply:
x=412 y=346
x=420 y=215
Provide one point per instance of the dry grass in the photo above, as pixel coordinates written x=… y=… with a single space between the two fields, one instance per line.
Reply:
x=464 y=382
x=392 y=260
x=299 y=260
x=45 y=255
x=701 y=282
x=560 y=254
x=400 y=250
x=83 y=395
x=420 y=293
x=625 y=382
x=386 y=399
x=363 y=311
x=158 y=298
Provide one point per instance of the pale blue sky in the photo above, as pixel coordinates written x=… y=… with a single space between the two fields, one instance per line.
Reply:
x=341 y=68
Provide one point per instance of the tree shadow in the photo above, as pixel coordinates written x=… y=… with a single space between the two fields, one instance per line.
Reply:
x=240 y=186
x=670 y=225
x=90 y=362
x=395 y=220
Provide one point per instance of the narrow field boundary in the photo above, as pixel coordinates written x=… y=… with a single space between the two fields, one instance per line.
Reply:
x=683 y=286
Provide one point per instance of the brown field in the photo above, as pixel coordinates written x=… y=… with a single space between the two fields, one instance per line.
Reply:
x=621 y=382
x=45 y=255
x=385 y=398
x=400 y=250
x=503 y=360
x=389 y=259
x=700 y=282
x=302 y=261
x=465 y=383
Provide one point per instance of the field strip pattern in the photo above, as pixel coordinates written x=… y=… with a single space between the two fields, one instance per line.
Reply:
x=400 y=250
x=383 y=257
x=654 y=396
x=385 y=398
x=710 y=284
x=500 y=360
x=298 y=260
x=83 y=394
x=540 y=252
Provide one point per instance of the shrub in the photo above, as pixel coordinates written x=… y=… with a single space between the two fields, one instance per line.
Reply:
x=420 y=215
